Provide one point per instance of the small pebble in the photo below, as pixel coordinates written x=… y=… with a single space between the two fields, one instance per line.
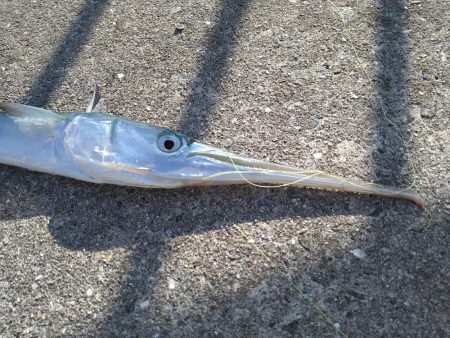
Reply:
x=171 y=283
x=145 y=304
x=427 y=113
x=317 y=156
x=353 y=95
x=267 y=33
x=34 y=286
x=358 y=253
x=312 y=123
x=89 y=292
x=336 y=69
x=179 y=29
x=120 y=76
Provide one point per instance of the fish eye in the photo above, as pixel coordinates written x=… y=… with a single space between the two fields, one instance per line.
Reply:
x=169 y=143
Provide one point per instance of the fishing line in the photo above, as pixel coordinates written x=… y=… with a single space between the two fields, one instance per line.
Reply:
x=311 y=174
x=348 y=185
x=316 y=173
x=335 y=11
x=281 y=268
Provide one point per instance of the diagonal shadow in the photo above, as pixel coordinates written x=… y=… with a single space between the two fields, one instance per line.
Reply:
x=53 y=74
x=218 y=50
x=403 y=224
x=390 y=153
x=390 y=168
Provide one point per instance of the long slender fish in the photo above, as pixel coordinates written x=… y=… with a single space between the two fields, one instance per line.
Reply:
x=100 y=148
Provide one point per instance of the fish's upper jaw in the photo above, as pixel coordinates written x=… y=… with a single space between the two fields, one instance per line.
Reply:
x=240 y=163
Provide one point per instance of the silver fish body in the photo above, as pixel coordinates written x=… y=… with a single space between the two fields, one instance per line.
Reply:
x=101 y=148
x=36 y=149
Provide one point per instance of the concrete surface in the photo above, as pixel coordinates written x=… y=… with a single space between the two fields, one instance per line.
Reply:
x=297 y=82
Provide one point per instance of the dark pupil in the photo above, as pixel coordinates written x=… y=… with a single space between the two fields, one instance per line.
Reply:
x=169 y=144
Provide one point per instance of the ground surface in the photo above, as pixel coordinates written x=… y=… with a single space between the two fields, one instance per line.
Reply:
x=296 y=82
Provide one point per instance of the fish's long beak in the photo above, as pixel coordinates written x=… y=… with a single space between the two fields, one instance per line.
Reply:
x=216 y=167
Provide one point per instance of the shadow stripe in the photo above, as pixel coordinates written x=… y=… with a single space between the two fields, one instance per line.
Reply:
x=218 y=49
x=53 y=74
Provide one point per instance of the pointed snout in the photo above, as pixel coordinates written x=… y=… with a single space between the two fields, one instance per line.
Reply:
x=214 y=166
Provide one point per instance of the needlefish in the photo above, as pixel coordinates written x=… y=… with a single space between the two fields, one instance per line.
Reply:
x=100 y=148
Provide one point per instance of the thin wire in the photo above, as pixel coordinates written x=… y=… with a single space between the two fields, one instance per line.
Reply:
x=310 y=173
x=283 y=270
x=318 y=173
x=335 y=11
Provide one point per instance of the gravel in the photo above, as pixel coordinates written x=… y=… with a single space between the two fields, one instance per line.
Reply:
x=304 y=83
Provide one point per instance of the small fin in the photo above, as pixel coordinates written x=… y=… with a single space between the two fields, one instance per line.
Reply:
x=94 y=100
x=28 y=112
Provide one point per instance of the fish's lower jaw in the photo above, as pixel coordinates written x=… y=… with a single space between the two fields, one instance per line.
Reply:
x=364 y=188
x=409 y=195
x=315 y=180
x=383 y=191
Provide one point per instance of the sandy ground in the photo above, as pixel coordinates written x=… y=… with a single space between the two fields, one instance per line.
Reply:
x=296 y=82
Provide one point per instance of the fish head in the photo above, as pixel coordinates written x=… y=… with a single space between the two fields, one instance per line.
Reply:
x=119 y=151
x=168 y=159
